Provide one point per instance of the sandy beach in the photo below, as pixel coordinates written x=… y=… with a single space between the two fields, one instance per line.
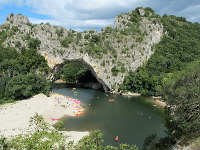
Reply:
x=15 y=117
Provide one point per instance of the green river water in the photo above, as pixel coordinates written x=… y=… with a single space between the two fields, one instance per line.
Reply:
x=130 y=118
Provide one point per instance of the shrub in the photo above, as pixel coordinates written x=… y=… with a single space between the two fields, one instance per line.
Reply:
x=34 y=43
x=59 y=32
x=115 y=71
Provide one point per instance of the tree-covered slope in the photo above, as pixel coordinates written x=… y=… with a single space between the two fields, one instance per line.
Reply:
x=182 y=93
x=22 y=74
x=179 y=46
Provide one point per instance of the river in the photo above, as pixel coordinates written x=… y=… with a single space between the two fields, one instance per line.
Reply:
x=130 y=118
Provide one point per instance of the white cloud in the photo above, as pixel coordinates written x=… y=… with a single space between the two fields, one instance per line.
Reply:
x=38 y=21
x=76 y=24
x=80 y=9
x=191 y=12
x=188 y=9
x=100 y=13
x=74 y=13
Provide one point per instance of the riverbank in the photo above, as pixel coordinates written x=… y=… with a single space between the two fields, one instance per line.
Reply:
x=15 y=117
x=157 y=100
x=131 y=94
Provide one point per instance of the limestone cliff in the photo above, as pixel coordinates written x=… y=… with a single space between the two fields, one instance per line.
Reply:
x=109 y=54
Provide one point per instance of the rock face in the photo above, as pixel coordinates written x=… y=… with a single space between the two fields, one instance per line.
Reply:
x=110 y=54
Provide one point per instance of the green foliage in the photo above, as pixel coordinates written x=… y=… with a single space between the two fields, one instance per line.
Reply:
x=24 y=86
x=108 y=29
x=135 y=17
x=115 y=71
x=95 y=38
x=14 y=28
x=150 y=142
x=16 y=67
x=92 y=31
x=139 y=38
x=3 y=36
x=34 y=43
x=87 y=36
x=123 y=69
x=122 y=147
x=18 y=44
x=93 y=142
x=32 y=60
x=73 y=71
x=47 y=23
x=59 y=125
x=173 y=53
x=181 y=91
x=78 y=37
x=149 y=9
x=140 y=82
x=59 y=32
x=64 y=43
x=4 y=145
x=43 y=137
x=67 y=40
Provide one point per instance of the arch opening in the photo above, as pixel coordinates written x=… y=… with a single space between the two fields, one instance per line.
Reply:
x=77 y=73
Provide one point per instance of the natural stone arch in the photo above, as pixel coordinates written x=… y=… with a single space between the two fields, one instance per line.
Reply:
x=132 y=49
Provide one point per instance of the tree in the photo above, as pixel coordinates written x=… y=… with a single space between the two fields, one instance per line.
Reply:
x=34 y=43
x=182 y=93
x=73 y=71
x=24 y=86
x=93 y=141
x=16 y=66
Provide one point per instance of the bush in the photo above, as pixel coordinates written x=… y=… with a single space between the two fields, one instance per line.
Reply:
x=115 y=71
x=24 y=86
x=181 y=92
x=59 y=125
x=59 y=32
x=34 y=43
x=66 y=41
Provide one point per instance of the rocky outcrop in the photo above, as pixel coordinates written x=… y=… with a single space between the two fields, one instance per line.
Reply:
x=110 y=54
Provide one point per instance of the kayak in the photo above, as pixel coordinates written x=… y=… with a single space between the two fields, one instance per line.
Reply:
x=111 y=100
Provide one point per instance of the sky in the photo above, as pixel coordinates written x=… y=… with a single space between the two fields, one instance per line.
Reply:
x=82 y=15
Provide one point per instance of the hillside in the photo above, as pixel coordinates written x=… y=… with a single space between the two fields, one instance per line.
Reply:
x=110 y=54
x=179 y=46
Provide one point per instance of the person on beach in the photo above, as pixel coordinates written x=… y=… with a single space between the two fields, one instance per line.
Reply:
x=116 y=139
